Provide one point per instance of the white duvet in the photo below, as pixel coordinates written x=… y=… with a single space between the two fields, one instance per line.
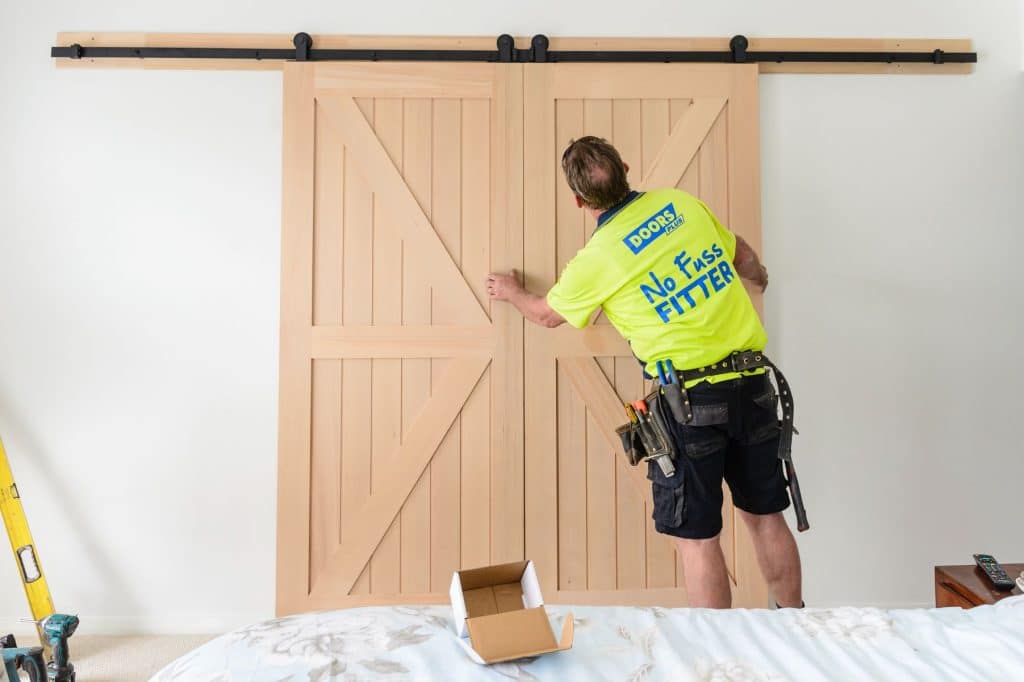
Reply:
x=630 y=644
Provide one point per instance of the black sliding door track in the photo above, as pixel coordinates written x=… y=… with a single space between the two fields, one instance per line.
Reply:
x=506 y=52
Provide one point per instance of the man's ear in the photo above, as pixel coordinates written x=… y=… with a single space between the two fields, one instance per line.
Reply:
x=579 y=201
x=626 y=166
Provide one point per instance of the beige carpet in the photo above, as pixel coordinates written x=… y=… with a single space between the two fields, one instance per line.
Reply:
x=127 y=659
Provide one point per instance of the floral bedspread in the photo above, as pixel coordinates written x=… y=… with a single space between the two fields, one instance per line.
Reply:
x=631 y=644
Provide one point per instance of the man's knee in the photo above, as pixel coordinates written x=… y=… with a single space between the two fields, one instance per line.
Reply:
x=698 y=546
x=762 y=522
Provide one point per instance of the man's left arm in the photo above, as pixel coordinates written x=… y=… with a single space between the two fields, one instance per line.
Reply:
x=744 y=258
x=531 y=306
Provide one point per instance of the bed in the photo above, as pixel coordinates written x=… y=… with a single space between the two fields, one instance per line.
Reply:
x=632 y=644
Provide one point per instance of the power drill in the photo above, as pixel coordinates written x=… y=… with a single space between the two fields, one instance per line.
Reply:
x=56 y=629
x=28 y=659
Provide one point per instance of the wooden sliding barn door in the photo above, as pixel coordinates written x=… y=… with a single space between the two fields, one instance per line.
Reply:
x=588 y=514
x=401 y=434
x=423 y=429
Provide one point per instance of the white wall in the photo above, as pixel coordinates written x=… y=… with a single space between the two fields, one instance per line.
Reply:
x=139 y=295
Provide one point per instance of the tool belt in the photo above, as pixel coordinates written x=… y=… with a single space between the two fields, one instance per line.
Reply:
x=672 y=401
x=649 y=438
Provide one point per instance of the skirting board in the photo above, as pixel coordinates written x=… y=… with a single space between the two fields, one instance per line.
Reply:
x=171 y=624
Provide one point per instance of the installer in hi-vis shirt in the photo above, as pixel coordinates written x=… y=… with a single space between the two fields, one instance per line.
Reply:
x=667 y=274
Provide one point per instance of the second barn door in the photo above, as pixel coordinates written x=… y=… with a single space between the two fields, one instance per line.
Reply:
x=588 y=514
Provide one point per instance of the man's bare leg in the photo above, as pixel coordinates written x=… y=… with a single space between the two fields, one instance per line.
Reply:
x=707 y=581
x=777 y=555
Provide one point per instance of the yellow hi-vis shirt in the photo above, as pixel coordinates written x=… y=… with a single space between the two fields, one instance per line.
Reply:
x=660 y=265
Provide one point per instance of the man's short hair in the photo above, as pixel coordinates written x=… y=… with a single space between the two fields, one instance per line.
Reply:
x=595 y=172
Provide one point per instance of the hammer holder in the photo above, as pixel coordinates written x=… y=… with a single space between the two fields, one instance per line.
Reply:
x=678 y=402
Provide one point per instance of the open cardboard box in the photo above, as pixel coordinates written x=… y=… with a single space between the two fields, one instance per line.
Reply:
x=501 y=610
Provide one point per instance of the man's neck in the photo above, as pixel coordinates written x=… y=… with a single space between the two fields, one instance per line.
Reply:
x=612 y=210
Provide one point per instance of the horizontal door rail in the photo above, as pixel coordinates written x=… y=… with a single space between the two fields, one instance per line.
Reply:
x=506 y=52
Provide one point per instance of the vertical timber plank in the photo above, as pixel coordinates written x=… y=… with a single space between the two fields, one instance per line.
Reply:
x=690 y=179
x=325 y=481
x=507 y=496
x=475 y=446
x=356 y=387
x=417 y=138
x=631 y=522
x=540 y=377
x=296 y=316
x=445 y=204
x=572 y=487
x=714 y=170
x=572 y=412
x=385 y=566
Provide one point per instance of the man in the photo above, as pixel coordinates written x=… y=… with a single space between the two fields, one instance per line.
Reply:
x=664 y=270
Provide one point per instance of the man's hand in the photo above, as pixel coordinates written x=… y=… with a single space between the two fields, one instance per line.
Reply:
x=762 y=278
x=533 y=307
x=748 y=265
x=504 y=287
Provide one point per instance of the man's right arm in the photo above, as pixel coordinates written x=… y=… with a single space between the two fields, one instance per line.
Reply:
x=748 y=265
x=533 y=307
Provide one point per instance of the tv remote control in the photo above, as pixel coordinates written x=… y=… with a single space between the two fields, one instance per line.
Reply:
x=995 y=572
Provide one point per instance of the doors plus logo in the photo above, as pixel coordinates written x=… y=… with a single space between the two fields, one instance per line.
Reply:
x=662 y=222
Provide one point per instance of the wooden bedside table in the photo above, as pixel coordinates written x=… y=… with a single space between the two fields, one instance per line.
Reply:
x=967 y=587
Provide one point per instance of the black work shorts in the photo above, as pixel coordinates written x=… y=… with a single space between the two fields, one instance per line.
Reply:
x=743 y=450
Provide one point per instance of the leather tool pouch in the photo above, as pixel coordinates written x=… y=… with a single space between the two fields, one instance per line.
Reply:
x=660 y=402
x=693 y=415
x=633 y=444
x=629 y=434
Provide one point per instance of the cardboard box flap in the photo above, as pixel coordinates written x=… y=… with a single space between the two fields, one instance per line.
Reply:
x=531 y=588
x=492 y=575
x=458 y=605
x=568 y=632
x=514 y=634
x=466 y=647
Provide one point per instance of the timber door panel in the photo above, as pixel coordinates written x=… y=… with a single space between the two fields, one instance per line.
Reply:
x=401 y=387
x=692 y=127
